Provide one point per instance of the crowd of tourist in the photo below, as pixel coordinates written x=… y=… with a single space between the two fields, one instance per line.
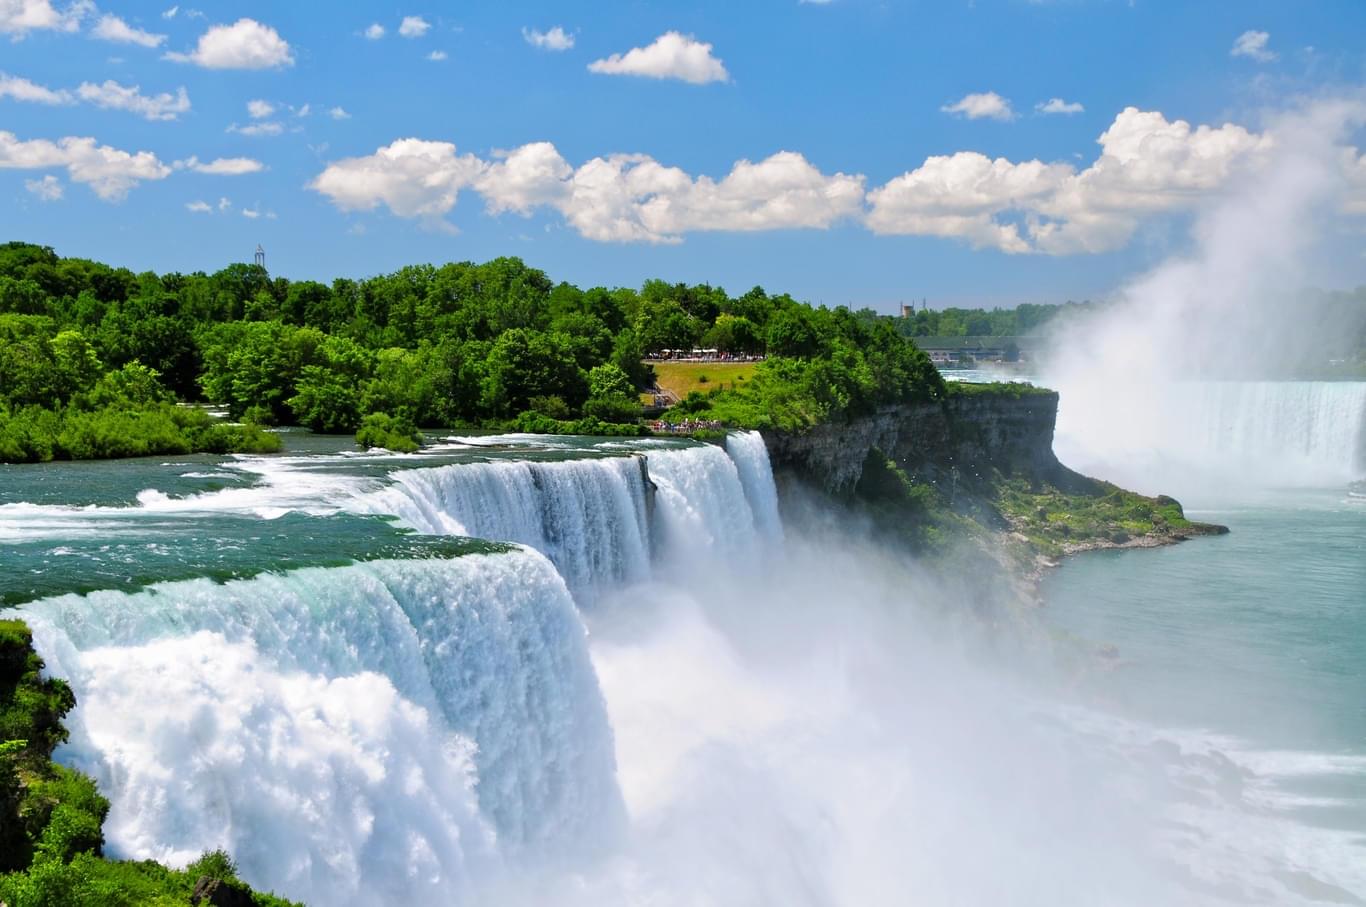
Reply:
x=686 y=427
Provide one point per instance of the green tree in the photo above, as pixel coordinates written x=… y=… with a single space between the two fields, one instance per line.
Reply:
x=523 y=364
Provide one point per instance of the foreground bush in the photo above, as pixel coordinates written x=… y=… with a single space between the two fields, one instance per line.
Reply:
x=395 y=433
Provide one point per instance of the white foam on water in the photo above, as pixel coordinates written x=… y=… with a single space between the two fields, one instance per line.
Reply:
x=353 y=735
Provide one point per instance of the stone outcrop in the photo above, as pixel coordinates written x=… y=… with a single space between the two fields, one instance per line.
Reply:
x=967 y=432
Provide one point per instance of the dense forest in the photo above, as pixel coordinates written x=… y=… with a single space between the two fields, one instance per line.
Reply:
x=1022 y=321
x=94 y=358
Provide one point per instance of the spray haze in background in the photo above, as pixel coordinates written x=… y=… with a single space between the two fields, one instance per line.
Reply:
x=1149 y=379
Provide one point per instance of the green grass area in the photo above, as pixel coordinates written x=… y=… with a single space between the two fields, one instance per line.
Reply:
x=1013 y=389
x=1053 y=520
x=684 y=377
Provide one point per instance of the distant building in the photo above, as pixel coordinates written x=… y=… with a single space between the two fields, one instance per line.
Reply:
x=907 y=311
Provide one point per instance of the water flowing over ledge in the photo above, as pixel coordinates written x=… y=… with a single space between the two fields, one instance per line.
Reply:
x=345 y=732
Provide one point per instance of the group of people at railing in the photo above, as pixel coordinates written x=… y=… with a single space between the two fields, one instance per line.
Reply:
x=686 y=427
x=701 y=356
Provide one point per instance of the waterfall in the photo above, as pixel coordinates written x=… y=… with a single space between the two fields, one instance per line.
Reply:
x=361 y=734
x=587 y=515
x=1267 y=433
x=592 y=516
x=750 y=453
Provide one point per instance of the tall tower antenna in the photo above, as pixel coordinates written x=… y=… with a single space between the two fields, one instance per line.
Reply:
x=260 y=256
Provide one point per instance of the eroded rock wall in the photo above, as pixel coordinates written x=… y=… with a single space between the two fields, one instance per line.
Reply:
x=968 y=432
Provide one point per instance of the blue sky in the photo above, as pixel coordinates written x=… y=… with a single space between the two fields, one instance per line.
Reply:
x=1021 y=205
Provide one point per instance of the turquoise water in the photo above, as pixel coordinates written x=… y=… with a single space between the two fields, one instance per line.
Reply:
x=1260 y=633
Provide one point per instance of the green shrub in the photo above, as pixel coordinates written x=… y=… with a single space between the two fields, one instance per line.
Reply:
x=396 y=433
x=613 y=409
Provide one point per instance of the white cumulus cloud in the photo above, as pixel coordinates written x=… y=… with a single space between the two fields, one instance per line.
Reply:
x=199 y=207
x=113 y=96
x=619 y=198
x=48 y=189
x=110 y=172
x=984 y=105
x=339 y=113
x=374 y=32
x=436 y=56
x=1059 y=106
x=414 y=27
x=112 y=28
x=1253 y=44
x=20 y=89
x=19 y=17
x=412 y=177
x=554 y=39
x=259 y=109
x=246 y=44
x=1148 y=165
x=671 y=56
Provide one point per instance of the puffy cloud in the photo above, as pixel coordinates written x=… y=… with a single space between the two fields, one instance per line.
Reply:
x=986 y=105
x=110 y=95
x=414 y=27
x=1058 y=105
x=412 y=177
x=109 y=172
x=246 y=44
x=19 y=17
x=23 y=90
x=199 y=207
x=555 y=39
x=48 y=189
x=1147 y=166
x=671 y=56
x=620 y=198
x=960 y=195
x=223 y=166
x=374 y=32
x=1252 y=44
x=436 y=56
x=113 y=96
x=259 y=110
x=339 y=113
x=170 y=13
x=112 y=28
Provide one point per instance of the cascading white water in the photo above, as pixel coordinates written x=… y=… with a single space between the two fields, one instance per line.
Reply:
x=588 y=516
x=700 y=505
x=365 y=734
x=750 y=453
x=591 y=516
x=1264 y=433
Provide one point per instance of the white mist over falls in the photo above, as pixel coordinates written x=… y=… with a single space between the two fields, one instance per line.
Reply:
x=1177 y=386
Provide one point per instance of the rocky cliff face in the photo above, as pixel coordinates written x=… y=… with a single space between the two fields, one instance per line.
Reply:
x=961 y=436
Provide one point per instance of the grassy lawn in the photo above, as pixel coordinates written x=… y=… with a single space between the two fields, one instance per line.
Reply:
x=682 y=377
